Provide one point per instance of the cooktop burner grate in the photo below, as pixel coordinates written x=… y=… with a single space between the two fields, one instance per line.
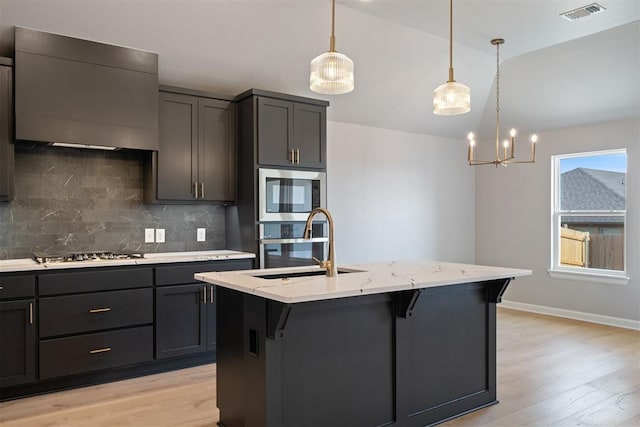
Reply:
x=42 y=257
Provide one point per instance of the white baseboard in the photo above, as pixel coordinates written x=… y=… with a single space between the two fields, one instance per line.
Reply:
x=576 y=315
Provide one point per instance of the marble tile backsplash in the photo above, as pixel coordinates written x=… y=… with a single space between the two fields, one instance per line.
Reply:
x=71 y=199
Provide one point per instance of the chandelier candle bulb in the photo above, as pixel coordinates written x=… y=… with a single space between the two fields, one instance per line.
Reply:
x=534 y=139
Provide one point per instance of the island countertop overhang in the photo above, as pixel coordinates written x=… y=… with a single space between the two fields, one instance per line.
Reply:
x=360 y=279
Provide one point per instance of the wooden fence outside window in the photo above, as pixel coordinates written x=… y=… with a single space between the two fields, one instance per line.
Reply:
x=582 y=249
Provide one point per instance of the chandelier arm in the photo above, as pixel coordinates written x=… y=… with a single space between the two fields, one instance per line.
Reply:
x=521 y=161
x=483 y=162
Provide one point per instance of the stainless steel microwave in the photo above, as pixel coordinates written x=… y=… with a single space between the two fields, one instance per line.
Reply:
x=289 y=195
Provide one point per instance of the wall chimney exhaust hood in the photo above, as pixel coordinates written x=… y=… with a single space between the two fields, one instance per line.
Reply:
x=84 y=94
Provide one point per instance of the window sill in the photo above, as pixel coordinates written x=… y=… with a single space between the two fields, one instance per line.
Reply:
x=609 y=279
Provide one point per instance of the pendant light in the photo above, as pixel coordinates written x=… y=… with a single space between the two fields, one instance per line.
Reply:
x=452 y=97
x=508 y=146
x=331 y=72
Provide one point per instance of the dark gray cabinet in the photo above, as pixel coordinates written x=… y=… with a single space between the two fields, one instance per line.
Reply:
x=17 y=330
x=92 y=352
x=73 y=327
x=181 y=319
x=18 y=357
x=196 y=161
x=186 y=309
x=94 y=319
x=291 y=133
x=6 y=130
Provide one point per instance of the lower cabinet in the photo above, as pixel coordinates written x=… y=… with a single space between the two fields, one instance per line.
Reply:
x=93 y=352
x=185 y=320
x=17 y=329
x=186 y=309
x=74 y=327
x=18 y=335
x=92 y=320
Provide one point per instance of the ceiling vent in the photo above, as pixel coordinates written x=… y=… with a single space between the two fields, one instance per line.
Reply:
x=582 y=12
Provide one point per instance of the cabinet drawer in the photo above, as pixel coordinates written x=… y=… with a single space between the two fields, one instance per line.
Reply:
x=94 y=280
x=92 y=352
x=17 y=286
x=179 y=274
x=92 y=312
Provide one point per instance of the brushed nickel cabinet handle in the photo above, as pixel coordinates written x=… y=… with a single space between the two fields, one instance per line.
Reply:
x=292 y=154
x=31 y=313
x=202 y=190
x=297 y=156
x=100 y=310
x=204 y=294
x=195 y=189
x=100 y=350
x=211 y=294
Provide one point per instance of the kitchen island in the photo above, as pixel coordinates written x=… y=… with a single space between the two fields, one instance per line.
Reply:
x=398 y=344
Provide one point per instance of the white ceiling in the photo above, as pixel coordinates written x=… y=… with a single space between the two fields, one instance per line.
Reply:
x=555 y=73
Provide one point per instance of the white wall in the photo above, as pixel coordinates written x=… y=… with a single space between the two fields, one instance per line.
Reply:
x=513 y=220
x=399 y=196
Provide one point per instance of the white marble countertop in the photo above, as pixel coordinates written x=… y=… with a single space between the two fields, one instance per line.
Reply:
x=27 y=264
x=365 y=279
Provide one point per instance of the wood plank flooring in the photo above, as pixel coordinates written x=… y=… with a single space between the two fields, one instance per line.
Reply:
x=551 y=372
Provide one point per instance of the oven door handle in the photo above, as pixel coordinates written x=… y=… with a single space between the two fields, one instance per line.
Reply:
x=298 y=240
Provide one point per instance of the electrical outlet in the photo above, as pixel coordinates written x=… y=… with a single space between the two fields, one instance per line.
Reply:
x=149 y=235
x=201 y=235
x=159 y=235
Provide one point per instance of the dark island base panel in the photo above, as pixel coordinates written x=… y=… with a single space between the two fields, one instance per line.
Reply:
x=106 y=376
x=410 y=358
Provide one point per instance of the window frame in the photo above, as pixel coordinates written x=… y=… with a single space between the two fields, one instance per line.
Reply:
x=617 y=277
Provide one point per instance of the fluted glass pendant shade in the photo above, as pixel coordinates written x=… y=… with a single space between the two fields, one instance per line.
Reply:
x=331 y=74
x=451 y=98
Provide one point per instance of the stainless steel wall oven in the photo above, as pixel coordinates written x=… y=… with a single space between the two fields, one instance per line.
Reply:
x=283 y=245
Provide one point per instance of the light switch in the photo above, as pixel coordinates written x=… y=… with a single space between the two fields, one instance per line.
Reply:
x=159 y=235
x=149 y=235
x=201 y=234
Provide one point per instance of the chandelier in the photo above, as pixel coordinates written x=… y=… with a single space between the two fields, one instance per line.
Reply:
x=508 y=145
x=451 y=97
x=331 y=72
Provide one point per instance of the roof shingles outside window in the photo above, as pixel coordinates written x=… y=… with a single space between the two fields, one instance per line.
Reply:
x=592 y=190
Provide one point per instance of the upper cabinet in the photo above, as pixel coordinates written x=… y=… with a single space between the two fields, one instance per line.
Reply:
x=196 y=161
x=289 y=131
x=6 y=130
x=81 y=92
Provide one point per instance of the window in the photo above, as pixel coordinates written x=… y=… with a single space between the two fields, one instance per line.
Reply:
x=589 y=214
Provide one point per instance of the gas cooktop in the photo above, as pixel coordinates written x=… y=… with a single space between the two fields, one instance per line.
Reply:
x=42 y=257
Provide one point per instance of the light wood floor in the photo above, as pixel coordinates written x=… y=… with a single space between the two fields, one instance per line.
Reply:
x=551 y=372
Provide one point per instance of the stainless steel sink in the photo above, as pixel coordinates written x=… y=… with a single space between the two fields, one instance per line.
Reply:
x=291 y=275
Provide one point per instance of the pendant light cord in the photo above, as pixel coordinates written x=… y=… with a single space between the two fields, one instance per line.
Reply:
x=498 y=100
x=332 y=41
x=451 y=41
